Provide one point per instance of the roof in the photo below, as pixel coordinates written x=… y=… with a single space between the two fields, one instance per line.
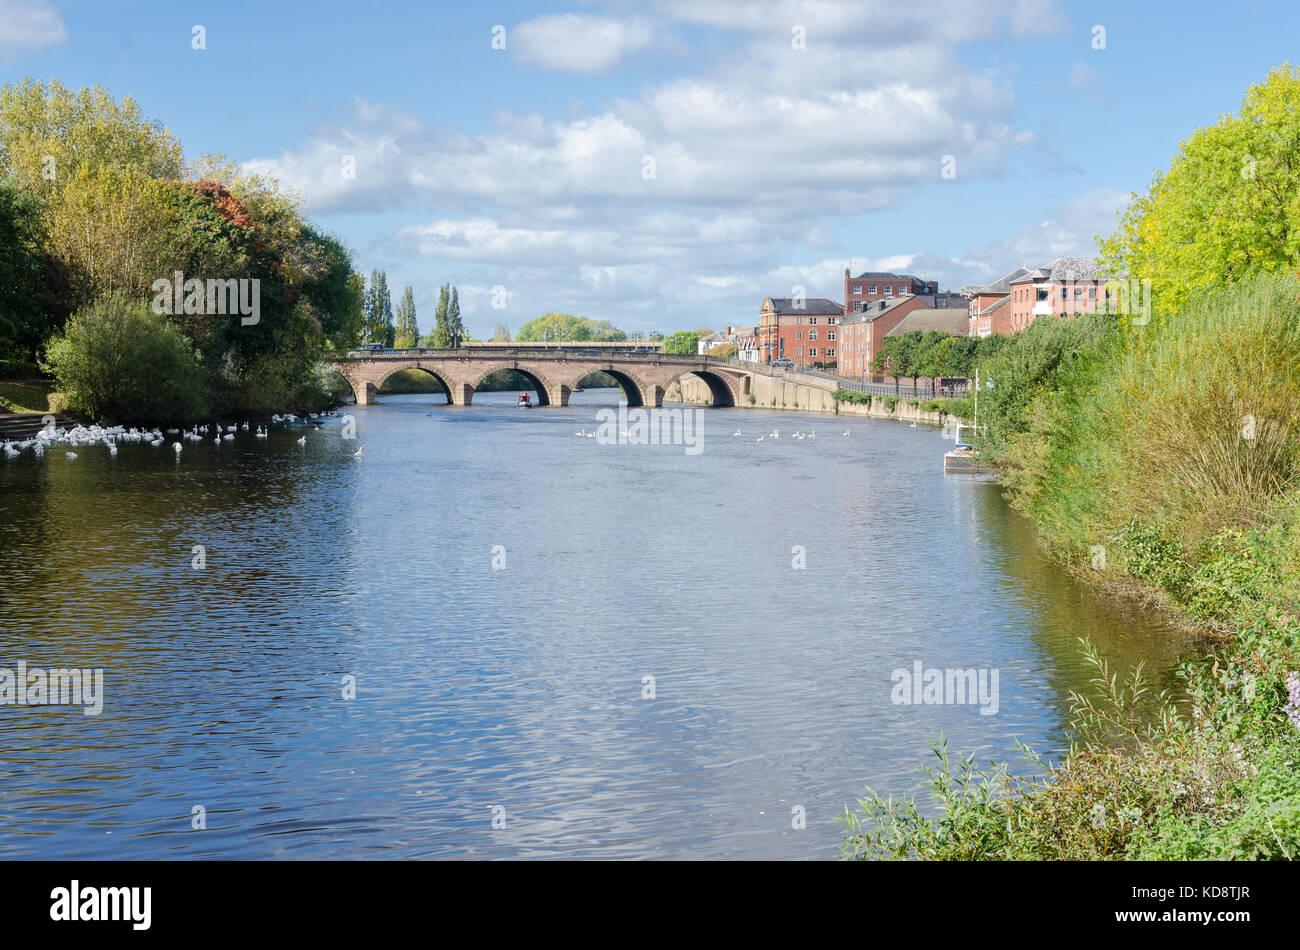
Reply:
x=878 y=308
x=815 y=306
x=1000 y=286
x=1001 y=301
x=950 y=320
x=1064 y=269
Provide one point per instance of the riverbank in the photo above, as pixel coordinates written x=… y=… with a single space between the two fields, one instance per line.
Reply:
x=1163 y=460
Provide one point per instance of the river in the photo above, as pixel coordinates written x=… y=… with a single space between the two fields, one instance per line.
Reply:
x=500 y=591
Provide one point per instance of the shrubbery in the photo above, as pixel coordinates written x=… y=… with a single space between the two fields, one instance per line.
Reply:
x=119 y=362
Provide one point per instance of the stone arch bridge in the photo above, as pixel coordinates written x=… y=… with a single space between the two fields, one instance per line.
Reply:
x=556 y=368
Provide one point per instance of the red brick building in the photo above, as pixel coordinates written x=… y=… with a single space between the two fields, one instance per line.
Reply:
x=1066 y=287
x=871 y=286
x=805 y=330
x=989 y=307
x=861 y=333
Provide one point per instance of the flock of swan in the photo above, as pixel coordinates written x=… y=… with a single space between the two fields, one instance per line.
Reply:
x=776 y=434
x=86 y=437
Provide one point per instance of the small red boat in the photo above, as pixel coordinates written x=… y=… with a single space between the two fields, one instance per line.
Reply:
x=524 y=402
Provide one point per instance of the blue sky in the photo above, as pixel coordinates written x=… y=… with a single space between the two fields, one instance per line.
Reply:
x=523 y=168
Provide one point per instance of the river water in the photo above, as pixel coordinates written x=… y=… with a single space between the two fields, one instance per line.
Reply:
x=500 y=591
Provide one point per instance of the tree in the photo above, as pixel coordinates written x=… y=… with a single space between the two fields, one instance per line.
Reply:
x=112 y=230
x=1229 y=203
x=455 y=327
x=501 y=333
x=683 y=341
x=910 y=356
x=49 y=133
x=407 y=329
x=885 y=361
x=566 y=327
x=24 y=275
x=441 y=337
x=379 y=310
x=120 y=362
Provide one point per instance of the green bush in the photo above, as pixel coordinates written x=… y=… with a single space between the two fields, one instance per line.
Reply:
x=852 y=395
x=118 y=361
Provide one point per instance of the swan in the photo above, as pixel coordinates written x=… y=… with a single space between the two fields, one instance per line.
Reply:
x=303 y=440
x=71 y=455
x=176 y=447
x=357 y=453
x=736 y=433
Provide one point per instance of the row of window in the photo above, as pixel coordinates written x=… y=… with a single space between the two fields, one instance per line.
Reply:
x=871 y=289
x=812 y=334
x=812 y=351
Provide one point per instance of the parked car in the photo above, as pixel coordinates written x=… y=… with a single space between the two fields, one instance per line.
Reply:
x=784 y=362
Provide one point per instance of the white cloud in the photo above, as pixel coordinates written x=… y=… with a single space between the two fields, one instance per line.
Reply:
x=28 y=25
x=570 y=43
x=759 y=152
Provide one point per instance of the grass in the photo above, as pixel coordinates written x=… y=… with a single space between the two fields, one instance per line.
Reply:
x=25 y=395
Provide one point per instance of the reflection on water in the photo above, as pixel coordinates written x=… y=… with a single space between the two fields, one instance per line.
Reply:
x=518 y=689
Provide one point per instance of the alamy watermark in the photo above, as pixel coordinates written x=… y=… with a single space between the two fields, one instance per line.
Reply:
x=176 y=295
x=935 y=687
x=675 y=426
x=58 y=687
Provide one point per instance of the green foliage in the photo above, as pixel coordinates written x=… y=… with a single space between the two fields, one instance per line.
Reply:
x=853 y=396
x=565 y=326
x=684 y=342
x=119 y=362
x=1228 y=205
x=378 y=326
x=24 y=274
x=78 y=129
x=406 y=327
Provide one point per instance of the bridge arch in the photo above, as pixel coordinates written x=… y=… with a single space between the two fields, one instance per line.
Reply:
x=446 y=382
x=548 y=391
x=632 y=387
x=723 y=391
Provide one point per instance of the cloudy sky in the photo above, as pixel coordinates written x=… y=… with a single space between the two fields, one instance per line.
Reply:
x=666 y=164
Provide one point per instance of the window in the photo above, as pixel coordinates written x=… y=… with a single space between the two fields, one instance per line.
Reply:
x=799 y=352
x=812 y=334
x=871 y=289
x=1078 y=292
x=888 y=288
x=812 y=319
x=1064 y=293
x=857 y=288
x=798 y=334
x=830 y=352
x=830 y=334
x=812 y=351
x=1092 y=292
